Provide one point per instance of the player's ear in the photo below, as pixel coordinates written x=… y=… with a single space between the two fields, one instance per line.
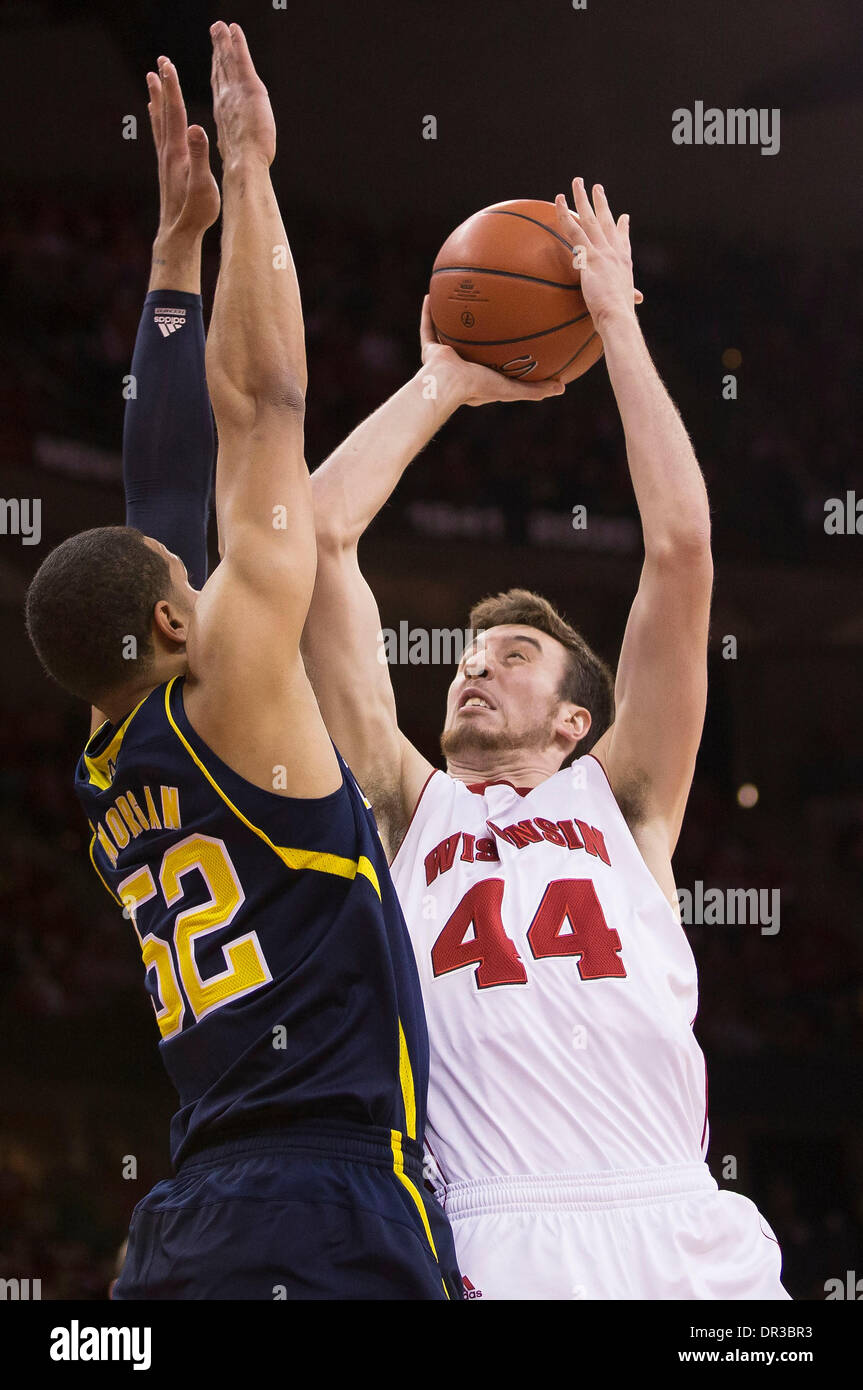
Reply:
x=574 y=722
x=171 y=622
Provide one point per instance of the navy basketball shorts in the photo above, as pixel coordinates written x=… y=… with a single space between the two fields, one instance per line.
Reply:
x=310 y=1213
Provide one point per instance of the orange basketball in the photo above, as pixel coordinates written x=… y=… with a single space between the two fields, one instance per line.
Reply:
x=504 y=293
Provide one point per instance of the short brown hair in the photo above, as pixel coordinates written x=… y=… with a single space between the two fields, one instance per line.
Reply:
x=587 y=680
x=88 y=597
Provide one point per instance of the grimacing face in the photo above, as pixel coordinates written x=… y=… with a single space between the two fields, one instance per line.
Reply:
x=505 y=695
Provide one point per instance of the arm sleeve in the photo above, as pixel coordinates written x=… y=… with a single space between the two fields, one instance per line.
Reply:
x=168 y=432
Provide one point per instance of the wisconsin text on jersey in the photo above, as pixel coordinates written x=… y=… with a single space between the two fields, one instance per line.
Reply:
x=523 y=833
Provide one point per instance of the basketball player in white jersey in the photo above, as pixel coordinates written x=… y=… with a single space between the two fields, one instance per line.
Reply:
x=567 y=1103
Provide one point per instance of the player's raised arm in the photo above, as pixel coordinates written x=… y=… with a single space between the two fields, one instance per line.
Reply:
x=649 y=752
x=247 y=693
x=168 y=438
x=341 y=644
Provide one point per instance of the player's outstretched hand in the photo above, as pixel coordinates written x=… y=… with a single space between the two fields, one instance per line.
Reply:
x=241 y=105
x=188 y=194
x=473 y=384
x=603 y=253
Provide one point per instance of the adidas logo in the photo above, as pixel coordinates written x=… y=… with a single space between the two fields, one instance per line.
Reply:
x=469 y=1290
x=169 y=320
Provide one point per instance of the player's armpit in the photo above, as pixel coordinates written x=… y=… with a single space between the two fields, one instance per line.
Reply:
x=649 y=752
x=347 y=662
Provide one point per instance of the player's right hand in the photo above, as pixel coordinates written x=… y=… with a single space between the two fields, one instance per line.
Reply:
x=188 y=194
x=241 y=104
x=471 y=383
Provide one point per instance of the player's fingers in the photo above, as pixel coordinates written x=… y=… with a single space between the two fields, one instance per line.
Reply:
x=603 y=211
x=586 y=215
x=428 y=334
x=518 y=391
x=240 y=50
x=175 y=110
x=199 y=150
x=569 y=224
x=163 y=105
x=221 y=37
x=154 y=107
x=200 y=172
x=639 y=297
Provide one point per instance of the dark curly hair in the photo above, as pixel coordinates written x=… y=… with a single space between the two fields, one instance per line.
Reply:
x=92 y=594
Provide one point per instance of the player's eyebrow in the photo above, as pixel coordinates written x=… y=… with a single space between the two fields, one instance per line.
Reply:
x=520 y=637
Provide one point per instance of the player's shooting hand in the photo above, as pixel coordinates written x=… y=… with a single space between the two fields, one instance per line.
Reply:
x=602 y=254
x=241 y=104
x=188 y=194
x=471 y=383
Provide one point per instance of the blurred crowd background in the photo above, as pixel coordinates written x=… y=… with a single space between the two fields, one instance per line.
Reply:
x=73 y=275
x=488 y=505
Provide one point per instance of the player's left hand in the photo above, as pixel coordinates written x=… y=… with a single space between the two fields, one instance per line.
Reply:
x=471 y=383
x=603 y=254
x=189 y=198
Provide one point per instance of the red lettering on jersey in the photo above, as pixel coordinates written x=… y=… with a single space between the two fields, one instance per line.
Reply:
x=490 y=949
x=549 y=830
x=438 y=860
x=467 y=848
x=523 y=833
x=486 y=851
x=501 y=834
x=590 y=937
x=569 y=834
x=594 y=842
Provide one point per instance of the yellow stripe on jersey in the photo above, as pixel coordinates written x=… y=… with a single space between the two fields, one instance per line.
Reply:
x=101 y=775
x=317 y=860
x=399 y=1170
x=105 y=884
x=406 y=1077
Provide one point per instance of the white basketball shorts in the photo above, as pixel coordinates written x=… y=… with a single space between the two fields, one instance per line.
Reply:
x=660 y=1233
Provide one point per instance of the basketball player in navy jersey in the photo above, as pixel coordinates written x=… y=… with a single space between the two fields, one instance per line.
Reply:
x=224 y=821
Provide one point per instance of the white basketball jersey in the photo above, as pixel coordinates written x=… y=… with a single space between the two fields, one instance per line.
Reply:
x=559 y=987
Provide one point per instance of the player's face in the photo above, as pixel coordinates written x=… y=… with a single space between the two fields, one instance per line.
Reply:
x=505 y=695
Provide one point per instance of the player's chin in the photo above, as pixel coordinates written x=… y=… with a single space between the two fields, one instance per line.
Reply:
x=468 y=736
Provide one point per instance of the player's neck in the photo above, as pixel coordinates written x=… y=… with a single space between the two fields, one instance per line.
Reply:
x=516 y=769
x=119 y=704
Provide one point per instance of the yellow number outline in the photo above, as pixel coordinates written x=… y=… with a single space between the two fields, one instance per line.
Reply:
x=139 y=888
x=246 y=968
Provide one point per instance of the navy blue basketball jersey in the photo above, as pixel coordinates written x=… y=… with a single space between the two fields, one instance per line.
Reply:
x=276 y=953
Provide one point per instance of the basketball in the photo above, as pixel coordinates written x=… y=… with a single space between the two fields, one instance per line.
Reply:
x=504 y=293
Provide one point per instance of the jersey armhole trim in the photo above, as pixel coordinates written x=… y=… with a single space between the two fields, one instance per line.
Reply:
x=433 y=773
x=647 y=869
x=606 y=776
x=297 y=859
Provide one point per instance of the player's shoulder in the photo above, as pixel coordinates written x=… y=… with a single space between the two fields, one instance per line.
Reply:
x=111 y=744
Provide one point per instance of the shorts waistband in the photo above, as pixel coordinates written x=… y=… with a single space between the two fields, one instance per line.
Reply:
x=360 y=1144
x=577 y=1191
